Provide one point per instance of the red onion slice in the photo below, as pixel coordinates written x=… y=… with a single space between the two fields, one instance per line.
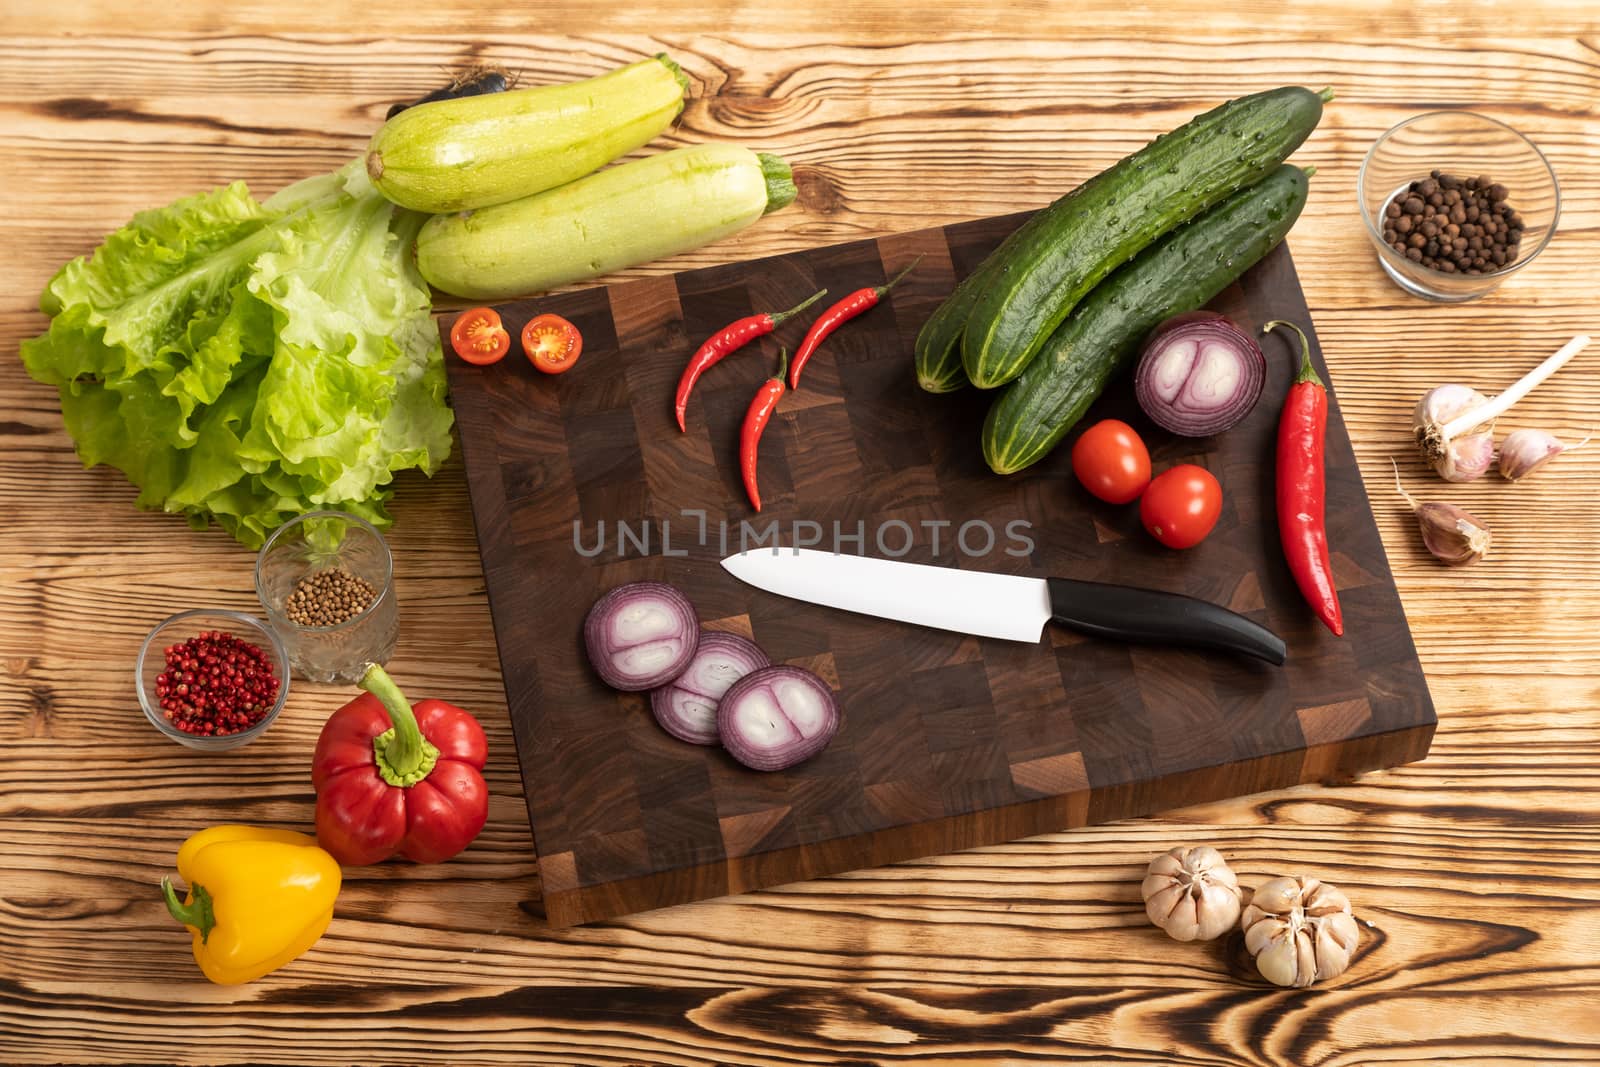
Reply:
x=641 y=635
x=686 y=707
x=1199 y=374
x=777 y=717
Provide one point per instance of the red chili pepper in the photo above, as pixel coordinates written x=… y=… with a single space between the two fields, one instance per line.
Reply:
x=728 y=340
x=1301 y=487
x=756 y=417
x=836 y=316
x=392 y=780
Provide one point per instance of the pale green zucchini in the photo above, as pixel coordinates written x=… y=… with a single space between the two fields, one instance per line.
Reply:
x=476 y=151
x=620 y=217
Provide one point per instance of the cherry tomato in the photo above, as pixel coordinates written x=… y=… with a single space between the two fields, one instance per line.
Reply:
x=1181 y=506
x=552 y=343
x=1111 y=461
x=479 y=338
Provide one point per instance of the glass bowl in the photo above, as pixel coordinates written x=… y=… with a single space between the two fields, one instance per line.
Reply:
x=187 y=624
x=1466 y=145
x=320 y=541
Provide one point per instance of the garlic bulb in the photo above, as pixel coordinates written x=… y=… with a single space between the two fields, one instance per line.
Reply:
x=1525 y=451
x=1300 y=931
x=1454 y=425
x=1191 y=893
x=1457 y=459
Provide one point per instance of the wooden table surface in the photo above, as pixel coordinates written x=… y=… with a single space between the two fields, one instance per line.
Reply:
x=1476 y=873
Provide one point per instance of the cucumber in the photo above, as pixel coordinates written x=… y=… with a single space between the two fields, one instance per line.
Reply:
x=620 y=217
x=1063 y=251
x=475 y=151
x=938 y=347
x=1181 y=272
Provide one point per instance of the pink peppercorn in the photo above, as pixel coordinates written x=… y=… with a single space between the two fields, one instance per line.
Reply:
x=198 y=697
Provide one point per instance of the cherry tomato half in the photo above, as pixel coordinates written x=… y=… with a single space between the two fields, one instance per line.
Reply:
x=1111 y=461
x=479 y=338
x=1181 y=506
x=552 y=343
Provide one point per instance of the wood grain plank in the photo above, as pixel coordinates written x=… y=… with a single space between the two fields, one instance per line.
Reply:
x=1477 y=867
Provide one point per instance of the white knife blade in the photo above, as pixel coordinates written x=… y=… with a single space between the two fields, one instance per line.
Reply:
x=1004 y=606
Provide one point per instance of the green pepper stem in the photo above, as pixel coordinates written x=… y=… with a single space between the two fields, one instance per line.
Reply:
x=404 y=757
x=783 y=365
x=1308 y=372
x=779 y=316
x=197 y=915
x=883 y=290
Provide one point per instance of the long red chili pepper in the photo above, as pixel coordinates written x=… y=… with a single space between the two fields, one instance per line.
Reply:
x=1301 y=487
x=727 y=340
x=836 y=316
x=756 y=417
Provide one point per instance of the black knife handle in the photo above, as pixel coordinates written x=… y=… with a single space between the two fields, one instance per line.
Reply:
x=1125 y=613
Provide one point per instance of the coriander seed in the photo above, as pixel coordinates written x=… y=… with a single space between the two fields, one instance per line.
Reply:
x=328 y=597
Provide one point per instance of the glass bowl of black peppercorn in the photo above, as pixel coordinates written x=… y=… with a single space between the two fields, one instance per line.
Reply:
x=1455 y=203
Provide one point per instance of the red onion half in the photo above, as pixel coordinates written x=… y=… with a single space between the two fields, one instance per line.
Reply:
x=686 y=707
x=641 y=635
x=777 y=717
x=1199 y=374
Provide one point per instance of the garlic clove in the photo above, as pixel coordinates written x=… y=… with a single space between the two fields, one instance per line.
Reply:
x=1444 y=402
x=1279 y=962
x=1276 y=895
x=1183 y=922
x=1452 y=534
x=1466 y=458
x=1336 y=939
x=1306 y=959
x=1217 y=913
x=1259 y=933
x=1525 y=451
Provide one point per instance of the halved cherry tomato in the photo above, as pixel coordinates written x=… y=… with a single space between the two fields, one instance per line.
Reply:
x=1111 y=461
x=1181 y=506
x=552 y=343
x=479 y=338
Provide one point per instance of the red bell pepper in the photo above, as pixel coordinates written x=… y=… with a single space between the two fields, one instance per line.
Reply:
x=390 y=780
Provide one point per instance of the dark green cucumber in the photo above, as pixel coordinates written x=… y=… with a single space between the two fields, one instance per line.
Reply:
x=1181 y=272
x=1062 y=252
x=938 y=347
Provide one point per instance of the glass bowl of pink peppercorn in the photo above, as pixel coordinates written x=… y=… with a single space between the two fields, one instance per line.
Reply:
x=212 y=679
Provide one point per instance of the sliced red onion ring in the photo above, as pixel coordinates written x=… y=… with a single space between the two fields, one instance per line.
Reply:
x=777 y=717
x=686 y=707
x=1199 y=374
x=641 y=635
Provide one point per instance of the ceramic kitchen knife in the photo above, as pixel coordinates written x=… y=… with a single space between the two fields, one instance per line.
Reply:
x=1005 y=606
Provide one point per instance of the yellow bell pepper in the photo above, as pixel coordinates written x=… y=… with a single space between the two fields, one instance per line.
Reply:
x=257 y=898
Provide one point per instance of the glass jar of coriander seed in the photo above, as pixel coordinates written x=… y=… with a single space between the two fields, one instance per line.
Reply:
x=326 y=582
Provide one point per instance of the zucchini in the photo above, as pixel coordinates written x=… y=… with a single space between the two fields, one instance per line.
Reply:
x=475 y=151
x=1182 y=272
x=1063 y=251
x=620 y=217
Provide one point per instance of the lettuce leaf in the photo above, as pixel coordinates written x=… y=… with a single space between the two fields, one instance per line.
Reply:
x=244 y=362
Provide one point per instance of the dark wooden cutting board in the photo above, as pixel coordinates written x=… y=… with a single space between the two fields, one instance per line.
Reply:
x=948 y=742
